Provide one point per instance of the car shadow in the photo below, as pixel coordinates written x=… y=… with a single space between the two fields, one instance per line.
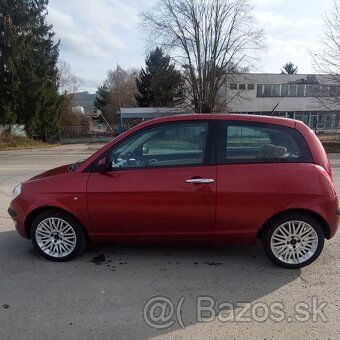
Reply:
x=103 y=292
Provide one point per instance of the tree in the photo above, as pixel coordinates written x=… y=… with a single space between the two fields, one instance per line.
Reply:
x=68 y=86
x=122 y=88
x=160 y=83
x=29 y=78
x=68 y=83
x=208 y=39
x=327 y=59
x=289 y=68
x=102 y=99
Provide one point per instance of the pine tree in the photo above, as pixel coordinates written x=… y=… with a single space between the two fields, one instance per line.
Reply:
x=28 y=68
x=102 y=99
x=160 y=83
x=289 y=68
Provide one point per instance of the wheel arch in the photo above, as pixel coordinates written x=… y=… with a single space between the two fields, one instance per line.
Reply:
x=34 y=213
x=319 y=218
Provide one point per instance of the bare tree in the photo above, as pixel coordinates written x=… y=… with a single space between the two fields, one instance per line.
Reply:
x=209 y=39
x=68 y=85
x=327 y=59
x=123 y=88
x=67 y=81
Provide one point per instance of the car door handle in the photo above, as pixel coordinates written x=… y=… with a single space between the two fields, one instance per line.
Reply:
x=200 y=180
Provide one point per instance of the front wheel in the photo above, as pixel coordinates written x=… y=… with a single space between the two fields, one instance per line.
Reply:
x=57 y=235
x=293 y=241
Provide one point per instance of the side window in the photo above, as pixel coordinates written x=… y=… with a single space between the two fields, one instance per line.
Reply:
x=163 y=145
x=262 y=143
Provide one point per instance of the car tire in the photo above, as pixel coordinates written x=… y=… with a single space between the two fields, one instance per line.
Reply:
x=293 y=241
x=57 y=235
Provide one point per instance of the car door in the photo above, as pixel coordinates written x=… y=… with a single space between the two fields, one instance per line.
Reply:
x=258 y=176
x=161 y=182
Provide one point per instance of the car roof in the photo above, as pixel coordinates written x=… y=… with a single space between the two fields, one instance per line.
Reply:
x=224 y=116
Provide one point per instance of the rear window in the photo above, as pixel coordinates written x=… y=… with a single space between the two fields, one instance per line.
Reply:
x=263 y=143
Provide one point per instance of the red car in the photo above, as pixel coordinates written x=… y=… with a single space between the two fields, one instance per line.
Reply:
x=214 y=178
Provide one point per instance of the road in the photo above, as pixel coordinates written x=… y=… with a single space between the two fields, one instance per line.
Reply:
x=101 y=295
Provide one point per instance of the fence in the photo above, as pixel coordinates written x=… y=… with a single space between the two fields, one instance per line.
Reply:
x=84 y=134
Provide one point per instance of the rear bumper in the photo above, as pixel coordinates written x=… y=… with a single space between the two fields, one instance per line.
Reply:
x=330 y=212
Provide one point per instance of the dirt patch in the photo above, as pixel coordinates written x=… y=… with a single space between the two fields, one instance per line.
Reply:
x=14 y=143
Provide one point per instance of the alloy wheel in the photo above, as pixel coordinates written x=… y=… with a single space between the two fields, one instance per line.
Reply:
x=294 y=242
x=56 y=237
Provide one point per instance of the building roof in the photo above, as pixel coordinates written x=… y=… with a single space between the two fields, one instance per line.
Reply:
x=150 y=112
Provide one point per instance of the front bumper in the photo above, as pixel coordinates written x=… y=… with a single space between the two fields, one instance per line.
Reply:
x=19 y=209
x=12 y=213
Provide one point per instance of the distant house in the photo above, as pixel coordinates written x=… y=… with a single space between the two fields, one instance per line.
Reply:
x=78 y=109
x=84 y=99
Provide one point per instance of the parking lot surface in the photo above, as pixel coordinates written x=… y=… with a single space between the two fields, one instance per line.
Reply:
x=102 y=294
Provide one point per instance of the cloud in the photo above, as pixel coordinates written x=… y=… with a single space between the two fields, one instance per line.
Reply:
x=288 y=37
x=89 y=28
x=97 y=34
x=275 y=21
x=280 y=51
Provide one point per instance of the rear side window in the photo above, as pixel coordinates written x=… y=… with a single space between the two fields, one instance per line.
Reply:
x=262 y=143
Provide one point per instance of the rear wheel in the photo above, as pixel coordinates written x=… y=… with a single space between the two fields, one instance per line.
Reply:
x=293 y=241
x=57 y=235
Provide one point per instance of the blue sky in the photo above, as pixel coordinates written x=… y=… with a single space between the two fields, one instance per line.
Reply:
x=97 y=34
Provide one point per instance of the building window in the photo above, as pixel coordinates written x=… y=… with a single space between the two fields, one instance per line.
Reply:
x=267 y=90
x=276 y=91
x=336 y=120
x=260 y=90
x=242 y=86
x=321 y=121
x=332 y=91
x=251 y=86
x=298 y=115
x=292 y=91
x=233 y=86
x=284 y=90
x=317 y=91
x=296 y=90
x=301 y=90
x=309 y=90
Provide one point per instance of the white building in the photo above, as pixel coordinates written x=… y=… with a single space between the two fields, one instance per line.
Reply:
x=78 y=109
x=309 y=98
x=306 y=97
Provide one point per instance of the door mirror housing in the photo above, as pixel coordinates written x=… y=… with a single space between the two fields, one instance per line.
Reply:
x=103 y=165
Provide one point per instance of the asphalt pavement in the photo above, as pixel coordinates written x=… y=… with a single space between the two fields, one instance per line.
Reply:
x=119 y=292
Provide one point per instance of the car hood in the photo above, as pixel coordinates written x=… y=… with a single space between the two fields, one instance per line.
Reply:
x=53 y=172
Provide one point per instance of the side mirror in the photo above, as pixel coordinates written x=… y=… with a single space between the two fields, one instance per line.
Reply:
x=103 y=165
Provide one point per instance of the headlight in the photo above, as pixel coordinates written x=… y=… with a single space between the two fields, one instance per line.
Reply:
x=17 y=190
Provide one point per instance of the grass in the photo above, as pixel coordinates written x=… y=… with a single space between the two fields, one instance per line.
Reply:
x=10 y=143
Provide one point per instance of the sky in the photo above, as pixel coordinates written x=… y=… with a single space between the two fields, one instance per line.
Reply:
x=96 y=35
